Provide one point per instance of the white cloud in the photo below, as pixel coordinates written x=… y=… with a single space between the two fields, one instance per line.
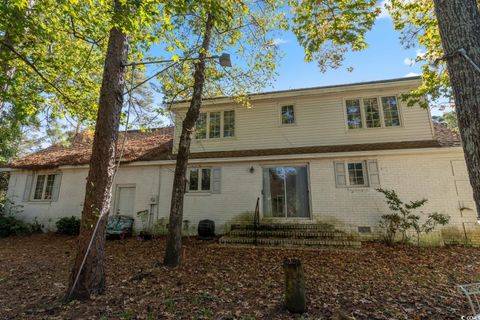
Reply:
x=411 y=74
x=409 y=61
x=279 y=41
x=420 y=54
x=384 y=12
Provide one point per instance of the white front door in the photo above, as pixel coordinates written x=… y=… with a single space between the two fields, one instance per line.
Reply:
x=125 y=201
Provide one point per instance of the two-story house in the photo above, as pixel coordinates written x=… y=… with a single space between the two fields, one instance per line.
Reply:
x=313 y=155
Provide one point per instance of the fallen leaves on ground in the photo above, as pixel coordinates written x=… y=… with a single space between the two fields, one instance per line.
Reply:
x=372 y=282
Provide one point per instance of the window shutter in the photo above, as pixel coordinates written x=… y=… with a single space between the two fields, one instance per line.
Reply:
x=28 y=188
x=373 y=174
x=216 y=180
x=56 y=186
x=340 y=175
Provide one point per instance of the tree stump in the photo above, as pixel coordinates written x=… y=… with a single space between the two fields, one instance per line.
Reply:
x=295 y=300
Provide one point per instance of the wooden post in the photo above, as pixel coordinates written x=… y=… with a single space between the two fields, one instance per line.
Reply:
x=295 y=300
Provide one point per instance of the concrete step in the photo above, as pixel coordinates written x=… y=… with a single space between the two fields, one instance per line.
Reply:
x=289 y=242
x=291 y=233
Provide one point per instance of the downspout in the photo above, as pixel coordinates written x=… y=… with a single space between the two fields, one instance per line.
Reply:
x=158 y=192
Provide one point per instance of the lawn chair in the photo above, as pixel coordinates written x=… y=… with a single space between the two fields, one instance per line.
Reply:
x=472 y=292
x=119 y=226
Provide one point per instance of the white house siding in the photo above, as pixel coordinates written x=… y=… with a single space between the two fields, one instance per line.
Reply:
x=72 y=193
x=438 y=176
x=320 y=120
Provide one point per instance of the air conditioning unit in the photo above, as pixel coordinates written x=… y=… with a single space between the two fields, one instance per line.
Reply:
x=153 y=199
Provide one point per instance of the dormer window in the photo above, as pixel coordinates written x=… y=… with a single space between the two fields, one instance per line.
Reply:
x=288 y=114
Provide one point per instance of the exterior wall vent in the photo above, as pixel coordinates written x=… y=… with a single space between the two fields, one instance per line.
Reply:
x=364 y=229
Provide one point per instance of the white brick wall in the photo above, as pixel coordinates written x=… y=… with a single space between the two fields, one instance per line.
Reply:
x=414 y=177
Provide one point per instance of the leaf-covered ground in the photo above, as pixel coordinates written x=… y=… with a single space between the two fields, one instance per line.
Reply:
x=373 y=282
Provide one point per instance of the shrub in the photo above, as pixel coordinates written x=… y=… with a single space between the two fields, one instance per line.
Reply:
x=402 y=219
x=9 y=225
x=68 y=225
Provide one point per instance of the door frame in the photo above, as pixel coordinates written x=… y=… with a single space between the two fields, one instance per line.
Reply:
x=309 y=188
x=117 y=196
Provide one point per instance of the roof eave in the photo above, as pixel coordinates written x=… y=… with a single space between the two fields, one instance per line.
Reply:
x=389 y=83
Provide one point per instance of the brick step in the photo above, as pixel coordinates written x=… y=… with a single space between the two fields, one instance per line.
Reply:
x=312 y=233
x=281 y=226
x=290 y=242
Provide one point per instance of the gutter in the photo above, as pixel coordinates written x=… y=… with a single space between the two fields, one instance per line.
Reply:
x=381 y=84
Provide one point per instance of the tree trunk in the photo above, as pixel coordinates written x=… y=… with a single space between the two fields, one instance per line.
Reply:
x=101 y=171
x=295 y=300
x=7 y=70
x=173 y=254
x=459 y=23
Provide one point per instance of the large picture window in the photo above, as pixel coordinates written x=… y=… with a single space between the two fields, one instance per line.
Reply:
x=214 y=125
x=376 y=112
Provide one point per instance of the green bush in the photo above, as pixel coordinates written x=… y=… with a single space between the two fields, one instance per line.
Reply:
x=69 y=226
x=401 y=219
x=9 y=225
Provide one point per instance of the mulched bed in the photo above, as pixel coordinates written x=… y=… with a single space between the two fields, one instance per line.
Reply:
x=373 y=282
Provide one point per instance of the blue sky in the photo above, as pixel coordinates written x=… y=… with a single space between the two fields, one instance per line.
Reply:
x=385 y=58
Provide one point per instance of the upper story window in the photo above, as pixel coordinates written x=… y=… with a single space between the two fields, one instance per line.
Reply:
x=372 y=113
x=288 y=114
x=218 y=124
x=390 y=111
x=201 y=126
x=199 y=179
x=215 y=125
x=367 y=113
x=229 y=123
x=354 y=114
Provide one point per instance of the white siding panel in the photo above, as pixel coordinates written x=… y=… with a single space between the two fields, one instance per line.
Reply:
x=319 y=121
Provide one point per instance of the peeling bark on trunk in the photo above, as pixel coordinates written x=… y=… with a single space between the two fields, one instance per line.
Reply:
x=173 y=254
x=459 y=23
x=101 y=170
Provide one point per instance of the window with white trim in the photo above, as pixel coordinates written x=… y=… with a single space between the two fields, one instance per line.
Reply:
x=200 y=179
x=228 y=123
x=201 y=126
x=367 y=113
x=43 y=187
x=354 y=114
x=288 y=114
x=390 y=111
x=214 y=125
x=357 y=173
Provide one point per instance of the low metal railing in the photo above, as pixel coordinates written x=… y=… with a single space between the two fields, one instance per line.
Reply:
x=256 y=220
